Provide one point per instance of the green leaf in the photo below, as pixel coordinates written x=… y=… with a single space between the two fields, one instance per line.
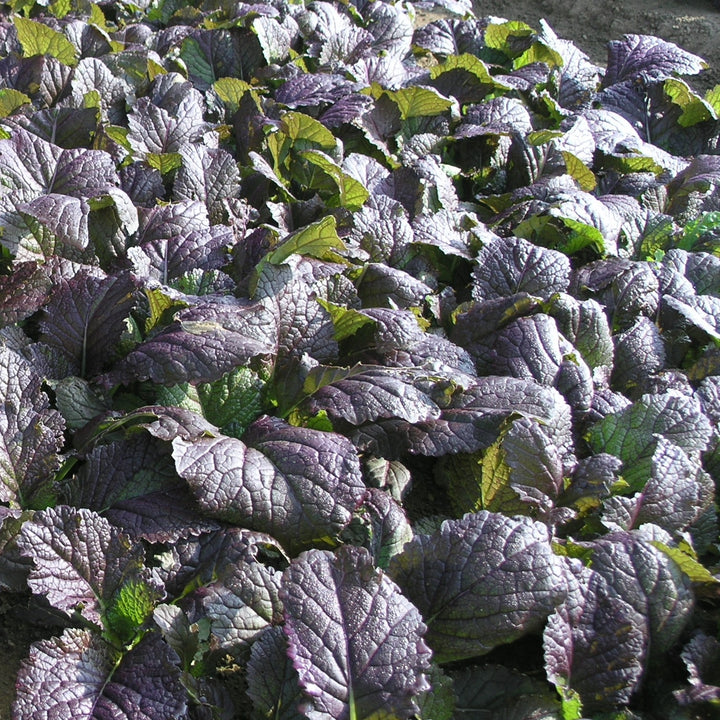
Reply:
x=130 y=608
x=39 y=39
x=22 y=6
x=11 y=100
x=196 y=62
x=580 y=172
x=317 y=240
x=233 y=401
x=564 y=234
x=687 y=563
x=632 y=163
x=231 y=90
x=519 y=41
x=60 y=8
x=119 y=134
x=415 y=101
x=499 y=35
x=439 y=702
x=164 y=162
x=76 y=401
x=162 y=308
x=571 y=704
x=658 y=237
x=540 y=137
x=539 y=52
x=481 y=481
x=346 y=321
x=297 y=132
x=300 y=127
x=694 y=108
x=712 y=98
x=350 y=193
x=324 y=375
x=183 y=395
x=97 y=18
x=468 y=62
x=696 y=228
x=581 y=236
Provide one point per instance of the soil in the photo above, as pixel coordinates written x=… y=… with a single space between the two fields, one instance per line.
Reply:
x=590 y=24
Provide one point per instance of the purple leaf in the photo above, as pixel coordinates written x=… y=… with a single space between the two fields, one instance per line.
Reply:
x=32 y=433
x=85 y=318
x=297 y=484
x=153 y=130
x=288 y=293
x=272 y=679
x=369 y=393
x=134 y=485
x=200 y=560
x=23 y=292
x=702 y=659
x=80 y=560
x=242 y=604
x=313 y=90
x=594 y=643
x=511 y=265
x=355 y=640
x=209 y=175
x=201 y=345
x=481 y=581
x=79 y=677
x=648 y=57
x=649 y=581
x=474 y=418
x=65 y=217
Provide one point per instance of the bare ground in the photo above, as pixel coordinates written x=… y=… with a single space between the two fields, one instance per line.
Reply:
x=693 y=25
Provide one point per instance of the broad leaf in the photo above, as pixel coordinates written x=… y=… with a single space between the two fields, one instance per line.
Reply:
x=355 y=640
x=39 y=39
x=481 y=582
x=209 y=175
x=23 y=292
x=649 y=581
x=474 y=418
x=32 y=435
x=629 y=433
x=144 y=682
x=297 y=484
x=675 y=492
x=594 y=644
x=241 y=604
x=272 y=680
x=366 y=393
x=508 y=266
x=85 y=318
x=649 y=57
x=701 y=657
x=201 y=345
x=133 y=484
x=81 y=562
x=493 y=689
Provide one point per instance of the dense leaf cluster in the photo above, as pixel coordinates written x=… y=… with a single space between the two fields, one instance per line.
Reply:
x=354 y=369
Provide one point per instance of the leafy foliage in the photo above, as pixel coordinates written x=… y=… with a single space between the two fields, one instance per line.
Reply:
x=354 y=369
